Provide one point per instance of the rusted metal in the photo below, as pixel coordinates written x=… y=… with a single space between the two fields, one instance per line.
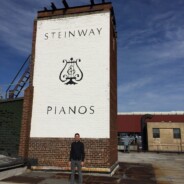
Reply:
x=53 y=6
x=65 y=4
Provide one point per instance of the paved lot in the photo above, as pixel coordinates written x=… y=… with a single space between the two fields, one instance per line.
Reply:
x=135 y=168
x=167 y=168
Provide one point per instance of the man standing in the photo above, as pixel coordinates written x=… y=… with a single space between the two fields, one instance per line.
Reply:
x=126 y=143
x=76 y=157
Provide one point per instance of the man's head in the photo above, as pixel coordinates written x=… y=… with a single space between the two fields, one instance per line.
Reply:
x=77 y=137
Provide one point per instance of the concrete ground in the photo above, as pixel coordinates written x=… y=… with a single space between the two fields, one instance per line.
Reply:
x=135 y=168
x=166 y=168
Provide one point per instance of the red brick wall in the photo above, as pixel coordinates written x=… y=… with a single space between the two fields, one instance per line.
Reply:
x=26 y=121
x=113 y=93
x=55 y=152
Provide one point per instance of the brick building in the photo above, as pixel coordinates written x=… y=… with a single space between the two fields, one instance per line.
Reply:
x=73 y=88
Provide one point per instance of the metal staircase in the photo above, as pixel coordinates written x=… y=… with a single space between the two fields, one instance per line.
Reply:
x=14 y=90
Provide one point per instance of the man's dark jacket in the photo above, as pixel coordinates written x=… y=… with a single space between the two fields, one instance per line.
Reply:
x=77 y=151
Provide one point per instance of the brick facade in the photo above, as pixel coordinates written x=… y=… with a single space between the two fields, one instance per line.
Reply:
x=101 y=154
x=113 y=93
x=55 y=152
x=26 y=121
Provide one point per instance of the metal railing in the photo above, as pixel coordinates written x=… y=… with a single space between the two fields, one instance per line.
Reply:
x=9 y=90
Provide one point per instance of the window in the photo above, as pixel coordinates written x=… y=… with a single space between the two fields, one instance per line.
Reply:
x=156 y=133
x=176 y=133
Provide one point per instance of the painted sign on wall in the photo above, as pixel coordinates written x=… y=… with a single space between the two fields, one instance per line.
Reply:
x=71 y=77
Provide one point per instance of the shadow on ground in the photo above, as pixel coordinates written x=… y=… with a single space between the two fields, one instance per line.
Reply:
x=128 y=173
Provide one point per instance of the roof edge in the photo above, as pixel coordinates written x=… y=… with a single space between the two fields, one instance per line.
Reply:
x=153 y=113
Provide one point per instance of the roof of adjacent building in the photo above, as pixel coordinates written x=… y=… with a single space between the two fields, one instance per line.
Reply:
x=131 y=122
x=156 y=113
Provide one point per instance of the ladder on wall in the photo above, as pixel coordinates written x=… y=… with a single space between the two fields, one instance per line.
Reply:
x=14 y=90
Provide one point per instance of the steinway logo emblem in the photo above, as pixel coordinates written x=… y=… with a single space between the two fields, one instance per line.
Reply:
x=71 y=73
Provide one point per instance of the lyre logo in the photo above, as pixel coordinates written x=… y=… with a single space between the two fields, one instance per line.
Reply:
x=71 y=73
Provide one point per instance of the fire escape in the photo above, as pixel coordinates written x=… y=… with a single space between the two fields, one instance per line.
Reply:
x=14 y=89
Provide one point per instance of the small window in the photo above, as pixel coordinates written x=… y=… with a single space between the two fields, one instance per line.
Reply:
x=176 y=133
x=156 y=133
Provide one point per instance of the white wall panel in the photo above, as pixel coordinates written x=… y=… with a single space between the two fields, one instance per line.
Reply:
x=54 y=43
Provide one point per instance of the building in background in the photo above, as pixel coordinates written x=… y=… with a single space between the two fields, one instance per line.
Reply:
x=141 y=125
x=165 y=136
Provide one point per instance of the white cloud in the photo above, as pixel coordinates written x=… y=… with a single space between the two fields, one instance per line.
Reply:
x=134 y=85
x=16 y=27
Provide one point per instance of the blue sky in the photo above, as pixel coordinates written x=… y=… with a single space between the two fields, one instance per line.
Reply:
x=150 y=49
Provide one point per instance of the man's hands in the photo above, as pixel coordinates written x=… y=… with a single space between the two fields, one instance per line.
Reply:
x=82 y=164
x=69 y=164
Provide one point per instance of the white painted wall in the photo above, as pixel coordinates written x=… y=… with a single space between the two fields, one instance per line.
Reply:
x=53 y=45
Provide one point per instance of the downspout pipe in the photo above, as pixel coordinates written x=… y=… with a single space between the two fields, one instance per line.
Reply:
x=144 y=131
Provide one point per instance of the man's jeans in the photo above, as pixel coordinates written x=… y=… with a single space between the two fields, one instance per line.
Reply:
x=76 y=163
